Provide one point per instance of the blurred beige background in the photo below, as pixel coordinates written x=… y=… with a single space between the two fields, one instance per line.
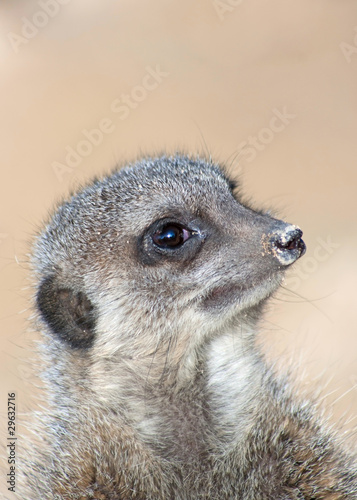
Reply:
x=267 y=86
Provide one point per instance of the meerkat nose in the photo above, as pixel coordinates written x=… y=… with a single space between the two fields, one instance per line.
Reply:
x=287 y=245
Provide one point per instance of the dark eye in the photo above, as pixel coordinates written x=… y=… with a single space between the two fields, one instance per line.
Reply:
x=171 y=236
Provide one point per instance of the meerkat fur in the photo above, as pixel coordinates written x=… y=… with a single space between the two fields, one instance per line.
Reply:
x=149 y=287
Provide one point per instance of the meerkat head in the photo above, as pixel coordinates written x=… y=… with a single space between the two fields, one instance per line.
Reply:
x=162 y=246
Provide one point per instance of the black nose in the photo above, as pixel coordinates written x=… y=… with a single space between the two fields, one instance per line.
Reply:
x=287 y=245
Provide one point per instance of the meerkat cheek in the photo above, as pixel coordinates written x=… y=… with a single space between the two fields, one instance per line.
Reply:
x=240 y=295
x=222 y=296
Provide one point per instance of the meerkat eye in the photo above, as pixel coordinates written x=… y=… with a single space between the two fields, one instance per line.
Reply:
x=171 y=236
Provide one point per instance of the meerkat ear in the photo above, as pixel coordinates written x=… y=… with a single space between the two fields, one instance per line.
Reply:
x=68 y=313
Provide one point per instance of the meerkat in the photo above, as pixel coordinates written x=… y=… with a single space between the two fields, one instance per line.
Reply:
x=150 y=284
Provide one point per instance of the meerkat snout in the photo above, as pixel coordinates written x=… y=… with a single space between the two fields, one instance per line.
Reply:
x=287 y=244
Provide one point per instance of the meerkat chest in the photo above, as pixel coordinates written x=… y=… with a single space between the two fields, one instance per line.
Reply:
x=174 y=427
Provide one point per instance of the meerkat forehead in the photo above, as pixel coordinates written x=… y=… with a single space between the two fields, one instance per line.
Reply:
x=154 y=184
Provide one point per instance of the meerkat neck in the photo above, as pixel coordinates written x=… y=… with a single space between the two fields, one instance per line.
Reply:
x=224 y=366
x=218 y=380
x=174 y=358
x=234 y=380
